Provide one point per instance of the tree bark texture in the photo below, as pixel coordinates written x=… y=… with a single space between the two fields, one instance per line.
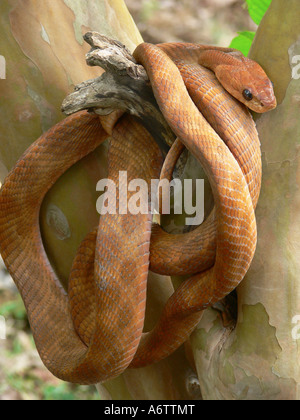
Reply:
x=259 y=358
x=44 y=50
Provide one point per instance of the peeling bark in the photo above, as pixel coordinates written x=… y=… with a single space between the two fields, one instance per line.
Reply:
x=259 y=359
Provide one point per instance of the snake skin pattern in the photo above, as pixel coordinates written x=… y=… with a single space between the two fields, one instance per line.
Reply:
x=95 y=331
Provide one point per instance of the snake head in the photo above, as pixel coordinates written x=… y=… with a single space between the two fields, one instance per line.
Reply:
x=248 y=83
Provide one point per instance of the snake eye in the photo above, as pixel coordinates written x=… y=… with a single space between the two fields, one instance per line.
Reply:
x=247 y=95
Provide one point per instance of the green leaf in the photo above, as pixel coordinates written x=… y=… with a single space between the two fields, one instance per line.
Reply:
x=243 y=42
x=257 y=9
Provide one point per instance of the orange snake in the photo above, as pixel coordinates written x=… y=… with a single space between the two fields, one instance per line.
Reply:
x=95 y=332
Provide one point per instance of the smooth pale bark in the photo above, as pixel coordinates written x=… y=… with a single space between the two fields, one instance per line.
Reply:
x=259 y=359
x=45 y=58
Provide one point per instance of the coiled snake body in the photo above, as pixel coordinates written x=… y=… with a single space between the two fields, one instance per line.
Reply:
x=95 y=332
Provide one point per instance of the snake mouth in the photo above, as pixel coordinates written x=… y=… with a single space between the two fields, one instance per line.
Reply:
x=265 y=107
x=261 y=106
x=266 y=98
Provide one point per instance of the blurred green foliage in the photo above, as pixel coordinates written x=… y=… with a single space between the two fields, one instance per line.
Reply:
x=30 y=383
x=14 y=309
x=148 y=8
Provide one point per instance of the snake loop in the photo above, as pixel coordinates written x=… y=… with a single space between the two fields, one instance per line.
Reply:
x=95 y=331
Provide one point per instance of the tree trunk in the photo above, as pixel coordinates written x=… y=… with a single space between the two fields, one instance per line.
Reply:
x=44 y=51
x=45 y=56
x=259 y=359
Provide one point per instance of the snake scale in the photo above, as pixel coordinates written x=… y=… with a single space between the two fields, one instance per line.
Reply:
x=94 y=331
